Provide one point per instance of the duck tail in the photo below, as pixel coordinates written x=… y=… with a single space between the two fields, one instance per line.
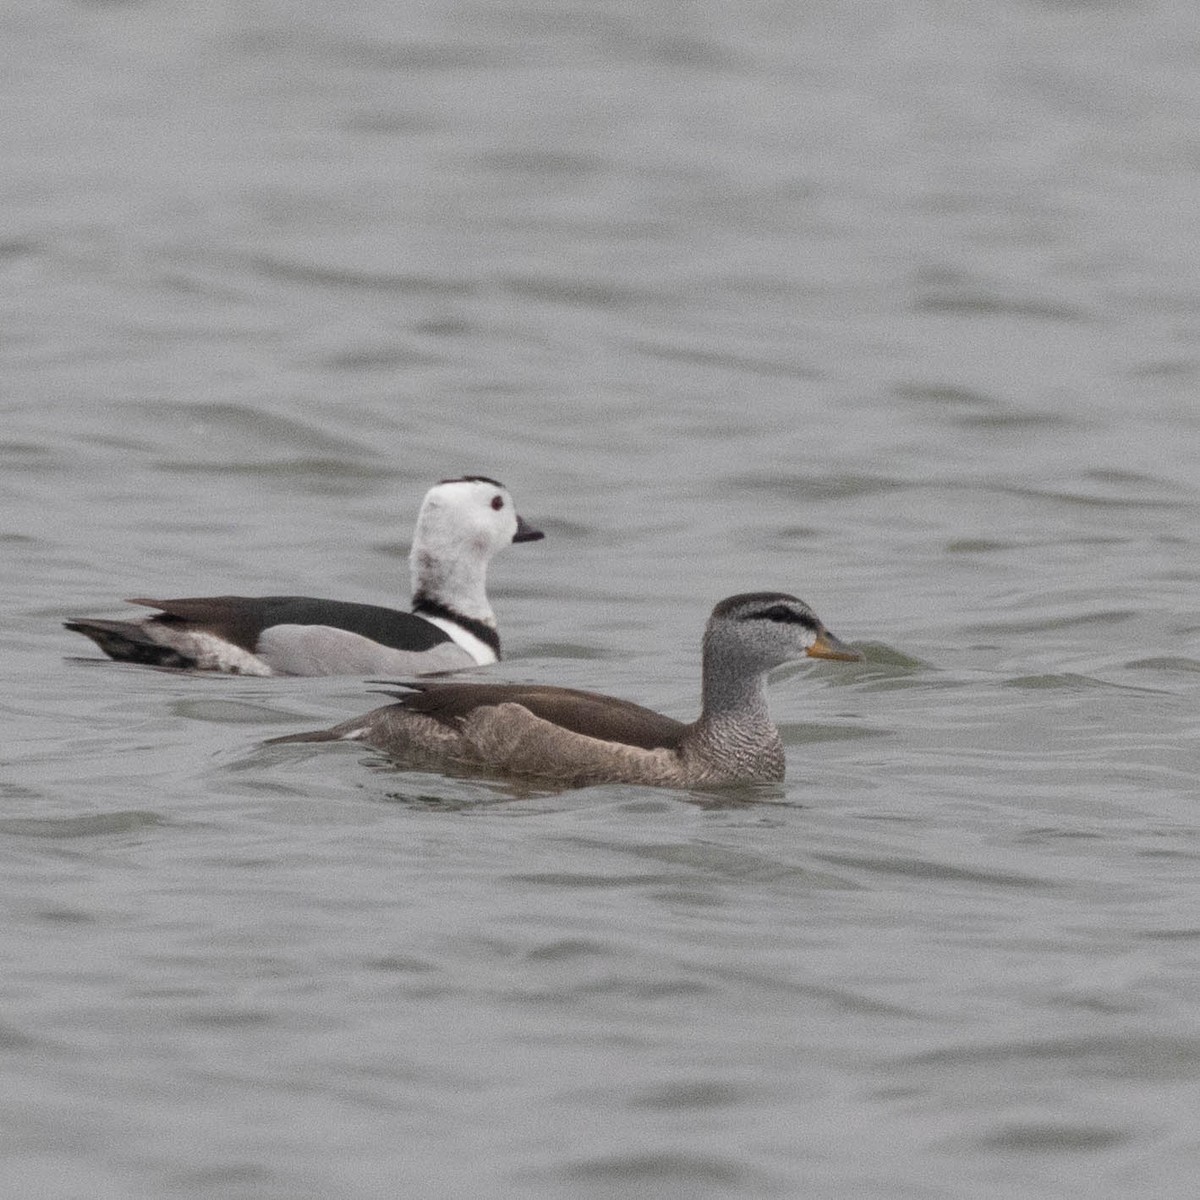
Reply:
x=347 y=731
x=127 y=641
x=313 y=735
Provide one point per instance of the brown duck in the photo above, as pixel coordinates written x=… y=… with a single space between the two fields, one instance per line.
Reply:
x=573 y=738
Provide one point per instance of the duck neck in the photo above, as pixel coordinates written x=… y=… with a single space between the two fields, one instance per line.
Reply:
x=454 y=585
x=735 y=731
x=730 y=693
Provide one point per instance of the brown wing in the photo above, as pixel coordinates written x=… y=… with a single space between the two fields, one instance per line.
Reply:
x=590 y=713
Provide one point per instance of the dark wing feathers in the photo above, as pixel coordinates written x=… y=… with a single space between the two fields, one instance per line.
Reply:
x=241 y=619
x=126 y=641
x=590 y=713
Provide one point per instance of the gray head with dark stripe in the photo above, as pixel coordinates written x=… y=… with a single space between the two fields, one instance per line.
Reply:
x=756 y=631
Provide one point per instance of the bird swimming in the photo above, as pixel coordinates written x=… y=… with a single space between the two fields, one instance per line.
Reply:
x=462 y=523
x=575 y=738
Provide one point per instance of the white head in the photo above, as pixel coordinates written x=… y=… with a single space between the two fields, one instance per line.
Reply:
x=462 y=523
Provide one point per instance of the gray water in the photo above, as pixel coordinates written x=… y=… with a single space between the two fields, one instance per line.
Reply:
x=894 y=306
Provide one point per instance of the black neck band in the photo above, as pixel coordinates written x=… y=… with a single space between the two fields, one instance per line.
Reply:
x=423 y=606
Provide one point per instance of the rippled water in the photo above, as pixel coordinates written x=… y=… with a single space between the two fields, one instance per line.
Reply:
x=891 y=305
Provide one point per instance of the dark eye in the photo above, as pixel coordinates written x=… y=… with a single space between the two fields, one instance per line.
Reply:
x=497 y=502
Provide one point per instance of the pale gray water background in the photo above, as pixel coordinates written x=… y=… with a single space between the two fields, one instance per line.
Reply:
x=893 y=305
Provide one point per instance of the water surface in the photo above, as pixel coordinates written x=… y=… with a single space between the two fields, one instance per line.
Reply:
x=892 y=306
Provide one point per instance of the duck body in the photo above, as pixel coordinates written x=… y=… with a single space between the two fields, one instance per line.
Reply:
x=574 y=738
x=462 y=523
x=286 y=635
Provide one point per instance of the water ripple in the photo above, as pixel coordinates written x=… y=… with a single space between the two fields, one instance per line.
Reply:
x=666 y=1170
x=1127 y=1054
x=295 y=270
x=94 y=825
x=1049 y=1137
x=918 y=868
x=1114 y=616
x=730 y=359
x=1188 y=665
x=794 y=487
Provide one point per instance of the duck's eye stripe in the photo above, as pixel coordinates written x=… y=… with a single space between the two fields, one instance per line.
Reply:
x=787 y=616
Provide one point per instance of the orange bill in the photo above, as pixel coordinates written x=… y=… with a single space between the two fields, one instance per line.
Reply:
x=828 y=646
